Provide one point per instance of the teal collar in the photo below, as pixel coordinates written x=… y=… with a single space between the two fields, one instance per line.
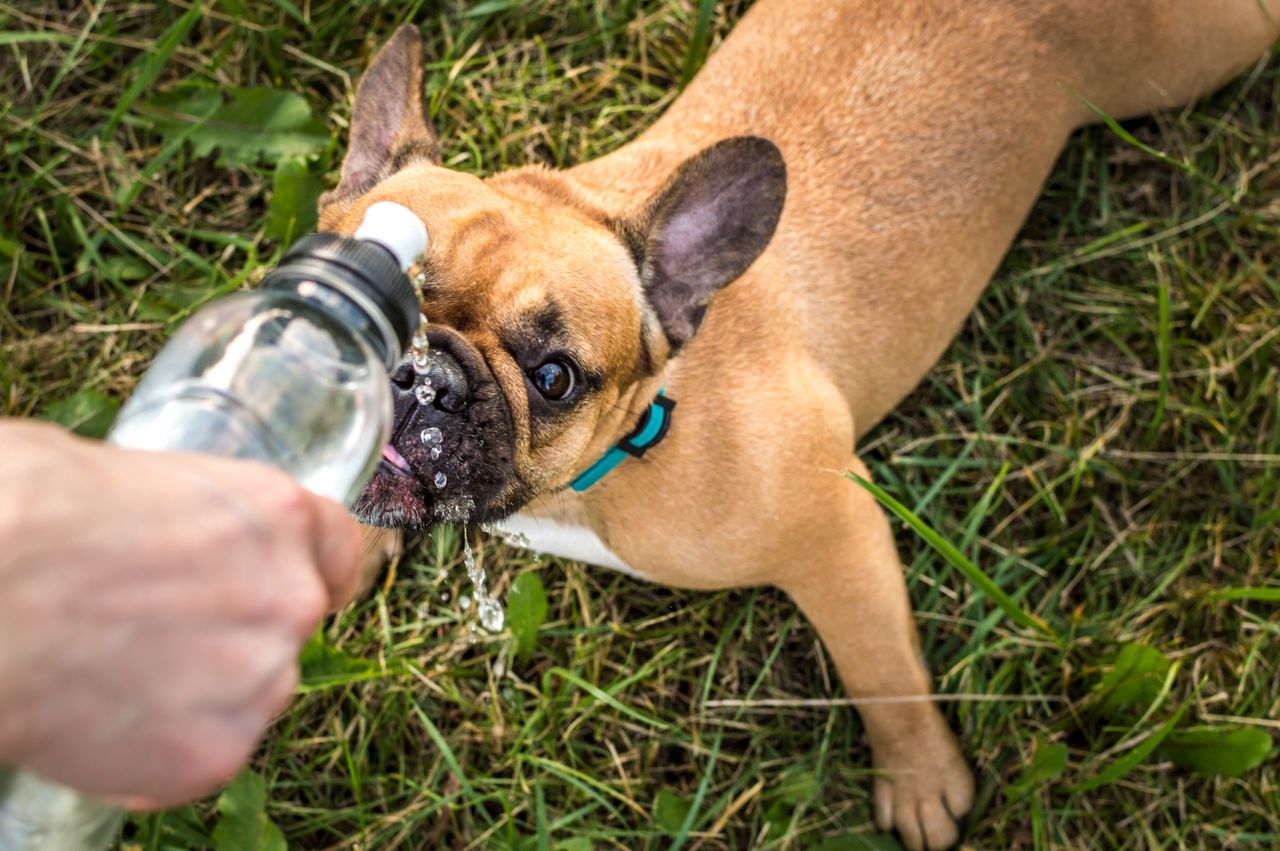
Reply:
x=648 y=432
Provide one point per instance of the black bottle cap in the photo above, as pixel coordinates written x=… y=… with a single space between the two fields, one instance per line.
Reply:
x=366 y=273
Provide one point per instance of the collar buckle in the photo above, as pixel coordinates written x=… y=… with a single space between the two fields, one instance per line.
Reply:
x=649 y=432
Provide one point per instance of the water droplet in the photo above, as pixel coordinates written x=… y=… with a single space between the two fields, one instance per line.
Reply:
x=498 y=667
x=491 y=615
x=432 y=436
x=464 y=603
x=444 y=596
x=436 y=452
x=422 y=362
x=425 y=394
x=440 y=480
x=419 y=341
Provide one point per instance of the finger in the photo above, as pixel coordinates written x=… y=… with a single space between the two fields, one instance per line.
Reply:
x=337 y=551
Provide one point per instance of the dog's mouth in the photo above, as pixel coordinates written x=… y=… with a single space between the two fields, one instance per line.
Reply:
x=452 y=446
x=393 y=460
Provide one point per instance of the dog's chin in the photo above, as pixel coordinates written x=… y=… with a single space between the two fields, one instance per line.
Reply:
x=394 y=500
x=397 y=499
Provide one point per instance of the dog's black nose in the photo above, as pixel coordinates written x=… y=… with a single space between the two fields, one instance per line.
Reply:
x=404 y=377
x=449 y=380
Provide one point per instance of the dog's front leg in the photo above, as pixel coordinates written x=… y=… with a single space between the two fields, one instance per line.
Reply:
x=854 y=594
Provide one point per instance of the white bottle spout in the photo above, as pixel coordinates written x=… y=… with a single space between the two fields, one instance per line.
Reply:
x=395 y=228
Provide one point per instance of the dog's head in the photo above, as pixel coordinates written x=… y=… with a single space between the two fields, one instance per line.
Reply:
x=546 y=308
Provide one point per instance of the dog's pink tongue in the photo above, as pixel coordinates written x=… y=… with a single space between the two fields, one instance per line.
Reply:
x=390 y=453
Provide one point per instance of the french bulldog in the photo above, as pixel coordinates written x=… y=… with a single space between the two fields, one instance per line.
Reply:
x=775 y=263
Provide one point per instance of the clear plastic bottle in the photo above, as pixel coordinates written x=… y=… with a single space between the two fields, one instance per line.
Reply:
x=294 y=375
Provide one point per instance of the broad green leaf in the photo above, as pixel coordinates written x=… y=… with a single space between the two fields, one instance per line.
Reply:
x=670 y=811
x=325 y=667
x=292 y=211
x=1215 y=751
x=244 y=825
x=256 y=123
x=164 y=301
x=1047 y=763
x=124 y=267
x=526 y=610
x=577 y=843
x=1133 y=681
x=778 y=816
x=88 y=413
x=798 y=786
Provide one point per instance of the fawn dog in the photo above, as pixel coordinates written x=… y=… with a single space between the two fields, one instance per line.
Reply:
x=855 y=170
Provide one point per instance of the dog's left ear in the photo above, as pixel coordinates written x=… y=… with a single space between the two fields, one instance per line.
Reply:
x=389 y=123
x=711 y=221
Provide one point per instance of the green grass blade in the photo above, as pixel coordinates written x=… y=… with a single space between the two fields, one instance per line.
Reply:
x=698 y=42
x=608 y=699
x=1184 y=167
x=1266 y=595
x=450 y=758
x=1126 y=763
x=958 y=560
x=152 y=63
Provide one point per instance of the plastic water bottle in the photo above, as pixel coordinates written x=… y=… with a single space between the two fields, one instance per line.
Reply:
x=294 y=375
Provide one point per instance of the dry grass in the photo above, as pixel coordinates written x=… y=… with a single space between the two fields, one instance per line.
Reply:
x=1111 y=464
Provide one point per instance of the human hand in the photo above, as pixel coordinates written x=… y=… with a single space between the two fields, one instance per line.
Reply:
x=152 y=607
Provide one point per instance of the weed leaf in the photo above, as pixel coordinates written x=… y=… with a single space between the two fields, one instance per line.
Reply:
x=88 y=413
x=257 y=122
x=292 y=211
x=670 y=811
x=1047 y=763
x=526 y=610
x=325 y=667
x=1217 y=751
x=244 y=825
x=1134 y=680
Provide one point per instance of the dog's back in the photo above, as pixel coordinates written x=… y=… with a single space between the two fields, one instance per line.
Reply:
x=917 y=136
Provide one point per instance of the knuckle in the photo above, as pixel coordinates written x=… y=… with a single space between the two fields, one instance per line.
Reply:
x=289 y=507
x=303 y=601
x=218 y=765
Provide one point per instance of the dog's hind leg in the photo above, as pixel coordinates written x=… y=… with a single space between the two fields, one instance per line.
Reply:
x=1138 y=56
x=852 y=589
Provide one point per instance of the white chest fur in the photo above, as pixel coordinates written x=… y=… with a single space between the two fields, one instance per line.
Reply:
x=565 y=540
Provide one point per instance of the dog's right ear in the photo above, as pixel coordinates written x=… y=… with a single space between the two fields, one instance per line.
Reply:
x=713 y=219
x=389 y=125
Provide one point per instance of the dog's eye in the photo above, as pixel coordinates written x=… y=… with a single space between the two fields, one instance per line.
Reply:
x=554 y=380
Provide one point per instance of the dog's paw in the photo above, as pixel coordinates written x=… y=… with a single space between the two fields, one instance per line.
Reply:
x=923 y=792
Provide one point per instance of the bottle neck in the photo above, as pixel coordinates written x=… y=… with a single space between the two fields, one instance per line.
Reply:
x=352 y=310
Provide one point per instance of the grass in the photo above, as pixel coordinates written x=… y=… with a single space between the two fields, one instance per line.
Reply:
x=1102 y=441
